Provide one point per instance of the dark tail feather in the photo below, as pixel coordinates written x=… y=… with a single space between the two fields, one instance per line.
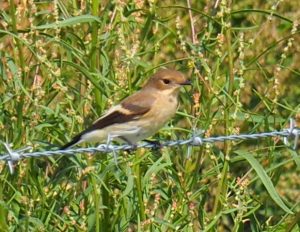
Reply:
x=75 y=140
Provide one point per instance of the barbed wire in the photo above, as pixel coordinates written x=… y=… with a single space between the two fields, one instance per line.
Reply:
x=12 y=156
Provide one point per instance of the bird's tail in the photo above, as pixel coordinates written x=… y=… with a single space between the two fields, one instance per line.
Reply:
x=74 y=141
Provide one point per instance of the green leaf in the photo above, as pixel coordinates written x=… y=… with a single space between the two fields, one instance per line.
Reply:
x=70 y=22
x=129 y=185
x=265 y=180
x=154 y=169
x=296 y=157
x=43 y=125
x=3 y=212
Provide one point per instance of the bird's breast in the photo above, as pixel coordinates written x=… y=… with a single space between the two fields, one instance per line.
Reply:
x=162 y=111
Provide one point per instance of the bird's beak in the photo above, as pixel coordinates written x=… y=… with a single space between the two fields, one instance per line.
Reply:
x=187 y=82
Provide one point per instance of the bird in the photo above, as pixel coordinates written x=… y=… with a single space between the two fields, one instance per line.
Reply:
x=141 y=114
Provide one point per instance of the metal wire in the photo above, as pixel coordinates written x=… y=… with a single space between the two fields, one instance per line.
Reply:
x=12 y=156
x=194 y=141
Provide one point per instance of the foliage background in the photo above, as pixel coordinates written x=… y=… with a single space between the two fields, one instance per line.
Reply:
x=63 y=63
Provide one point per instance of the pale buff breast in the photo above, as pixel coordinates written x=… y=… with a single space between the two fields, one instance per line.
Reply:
x=163 y=110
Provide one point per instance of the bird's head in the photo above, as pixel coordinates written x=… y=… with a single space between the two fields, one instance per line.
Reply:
x=167 y=80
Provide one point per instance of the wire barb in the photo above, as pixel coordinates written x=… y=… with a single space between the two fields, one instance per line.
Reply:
x=293 y=131
x=197 y=141
x=12 y=157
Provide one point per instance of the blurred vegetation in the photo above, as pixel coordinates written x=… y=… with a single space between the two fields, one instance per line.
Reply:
x=63 y=63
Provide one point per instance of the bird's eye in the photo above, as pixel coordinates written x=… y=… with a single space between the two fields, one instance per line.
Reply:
x=166 y=81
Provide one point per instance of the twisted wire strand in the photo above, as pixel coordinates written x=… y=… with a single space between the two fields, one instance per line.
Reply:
x=194 y=141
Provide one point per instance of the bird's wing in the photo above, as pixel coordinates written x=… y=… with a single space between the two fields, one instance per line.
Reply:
x=131 y=108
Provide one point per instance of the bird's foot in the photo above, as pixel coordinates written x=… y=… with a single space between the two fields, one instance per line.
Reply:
x=156 y=145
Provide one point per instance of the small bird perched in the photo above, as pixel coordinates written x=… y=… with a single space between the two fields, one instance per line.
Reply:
x=140 y=115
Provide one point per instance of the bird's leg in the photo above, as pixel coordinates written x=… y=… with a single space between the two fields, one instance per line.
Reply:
x=108 y=142
x=134 y=146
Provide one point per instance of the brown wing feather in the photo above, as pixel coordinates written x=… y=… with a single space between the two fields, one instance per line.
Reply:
x=139 y=103
x=113 y=118
x=134 y=106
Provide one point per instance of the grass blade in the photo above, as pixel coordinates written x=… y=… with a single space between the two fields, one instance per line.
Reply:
x=265 y=179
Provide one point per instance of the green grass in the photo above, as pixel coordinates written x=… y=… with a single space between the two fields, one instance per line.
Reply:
x=63 y=63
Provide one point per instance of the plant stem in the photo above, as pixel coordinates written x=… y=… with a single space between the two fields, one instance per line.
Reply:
x=194 y=37
x=94 y=53
x=96 y=200
x=222 y=187
x=14 y=29
x=20 y=103
x=138 y=182
x=3 y=213
x=105 y=222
